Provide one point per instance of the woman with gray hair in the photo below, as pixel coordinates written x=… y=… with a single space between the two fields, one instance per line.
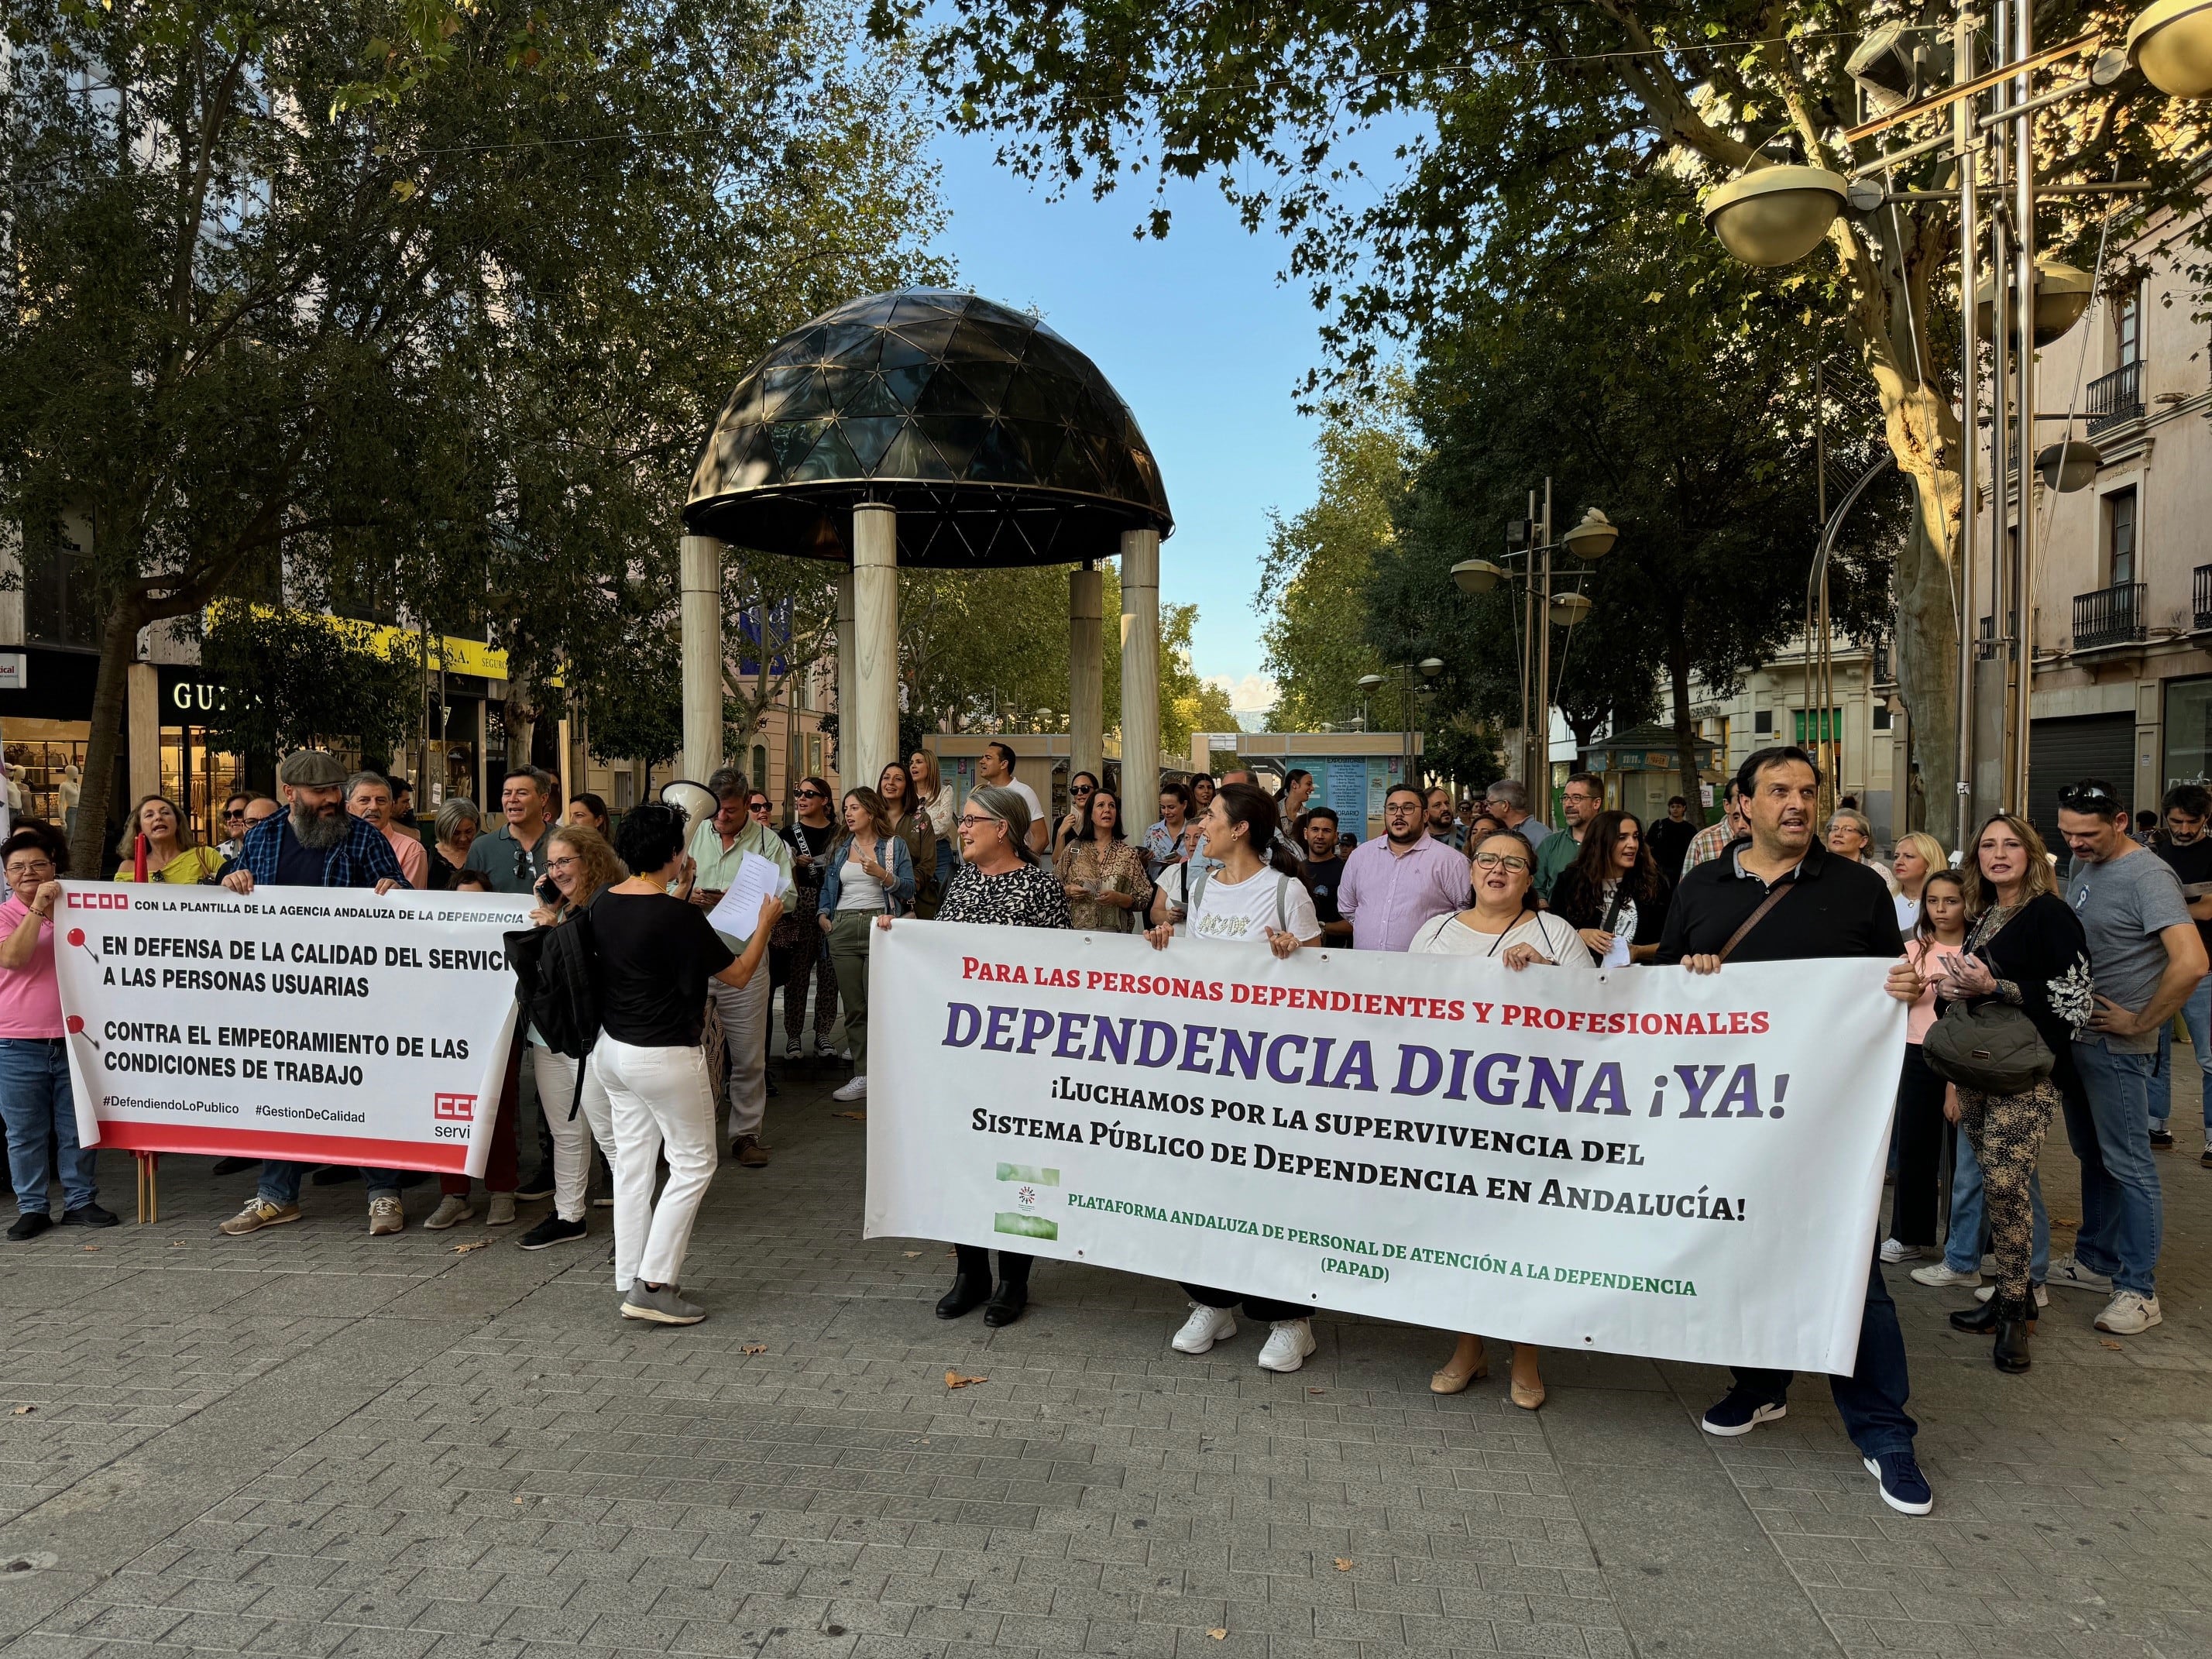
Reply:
x=456 y=827
x=1851 y=836
x=1001 y=883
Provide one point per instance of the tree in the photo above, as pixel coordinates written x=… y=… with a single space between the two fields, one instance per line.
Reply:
x=299 y=679
x=1581 y=373
x=1188 y=704
x=1530 y=109
x=441 y=356
x=1314 y=578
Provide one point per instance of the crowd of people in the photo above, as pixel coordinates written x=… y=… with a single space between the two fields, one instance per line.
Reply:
x=2096 y=964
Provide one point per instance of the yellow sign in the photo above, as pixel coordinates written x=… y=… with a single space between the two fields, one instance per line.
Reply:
x=454 y=656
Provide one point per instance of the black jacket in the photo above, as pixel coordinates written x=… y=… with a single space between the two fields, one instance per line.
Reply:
x=1842 y=909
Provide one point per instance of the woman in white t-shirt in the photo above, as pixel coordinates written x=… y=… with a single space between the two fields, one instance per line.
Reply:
x=1250 y=899
x=1505 y=924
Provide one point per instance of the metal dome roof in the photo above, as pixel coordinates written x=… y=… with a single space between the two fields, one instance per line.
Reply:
x=997 y=442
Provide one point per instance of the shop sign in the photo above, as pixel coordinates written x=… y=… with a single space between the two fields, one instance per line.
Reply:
x=14 y=670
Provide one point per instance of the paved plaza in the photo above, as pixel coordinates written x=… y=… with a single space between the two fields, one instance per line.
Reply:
x=308 y=1442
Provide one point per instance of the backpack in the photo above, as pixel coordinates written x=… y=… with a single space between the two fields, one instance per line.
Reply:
x=557 y=981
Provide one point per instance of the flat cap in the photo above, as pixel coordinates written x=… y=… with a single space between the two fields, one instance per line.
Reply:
x=311 y=769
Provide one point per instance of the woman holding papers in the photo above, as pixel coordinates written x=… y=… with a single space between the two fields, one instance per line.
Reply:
x=1251 y=898
x=578 y=866
x=1506 y=925
x=868 y=874
x=1613 y=893
x=656 y=956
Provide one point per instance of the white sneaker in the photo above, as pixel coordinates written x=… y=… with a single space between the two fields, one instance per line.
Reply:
x=844 y=1053
x=1892 y=1252
x=2128 y=1314
x=1289 y=1342
x=792 y=1050
x=2042 y=1296
x=1206 y=1327
x=2067 y=1274
x=451 y=1211
x=1936 y=1275
x=856 y=1089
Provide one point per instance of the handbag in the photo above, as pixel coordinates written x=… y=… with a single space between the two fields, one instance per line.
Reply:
x=1988 y=1046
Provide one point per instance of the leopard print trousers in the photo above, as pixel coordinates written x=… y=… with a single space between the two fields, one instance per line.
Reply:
x=2007 y=1132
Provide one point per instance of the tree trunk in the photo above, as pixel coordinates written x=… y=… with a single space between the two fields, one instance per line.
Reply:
x=119 y=650
x=1686 y=731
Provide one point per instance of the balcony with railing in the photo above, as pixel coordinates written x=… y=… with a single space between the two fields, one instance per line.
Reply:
x=2115 y=397
x=2200 y=585
x=2110 y=616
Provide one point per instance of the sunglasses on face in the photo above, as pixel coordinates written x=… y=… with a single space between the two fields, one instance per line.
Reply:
x=812 y=794
x=756 y=806
x=1081 y=789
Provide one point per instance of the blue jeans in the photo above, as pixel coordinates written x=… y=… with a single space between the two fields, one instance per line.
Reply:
x=2123 y=1207
x=1871 y=1399
x=1964 y=1243
x=39 y=1109
x=2197 y=1015
x=280 y=1180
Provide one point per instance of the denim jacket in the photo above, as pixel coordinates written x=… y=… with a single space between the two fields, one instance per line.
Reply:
x=896 y=897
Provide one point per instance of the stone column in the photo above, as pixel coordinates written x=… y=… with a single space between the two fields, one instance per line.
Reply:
x=874 y=727
x=1140 y=670
x=1086 y=673
x=848 y=698
x=702 y=557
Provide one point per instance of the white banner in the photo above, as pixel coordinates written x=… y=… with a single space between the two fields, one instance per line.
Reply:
x=1642 y=1161
x=326 y=1025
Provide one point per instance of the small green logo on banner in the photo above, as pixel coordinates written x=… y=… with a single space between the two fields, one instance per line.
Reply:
x=1029 y=1226
x=1030 y=1183
x=1029 y=1173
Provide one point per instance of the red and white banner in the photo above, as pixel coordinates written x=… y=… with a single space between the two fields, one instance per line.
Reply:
x=325 y=1025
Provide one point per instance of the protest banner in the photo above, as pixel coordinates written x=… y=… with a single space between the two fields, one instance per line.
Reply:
x=326 y=1025
x=1642 y=1161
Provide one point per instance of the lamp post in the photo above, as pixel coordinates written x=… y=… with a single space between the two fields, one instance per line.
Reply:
x=1772 y=216
x=1428 y=668
x=1590 y=539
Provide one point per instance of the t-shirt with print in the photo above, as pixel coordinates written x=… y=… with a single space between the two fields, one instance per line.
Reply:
x=2192 y=867
x=1323 y=876
x=1235 y=911
x=2124 y=903
x=30 y=998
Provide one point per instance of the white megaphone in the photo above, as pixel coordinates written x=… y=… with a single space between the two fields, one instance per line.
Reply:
x=695 y=801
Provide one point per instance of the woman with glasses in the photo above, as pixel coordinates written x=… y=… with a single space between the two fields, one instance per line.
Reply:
x=456 y=827
x=580 y=866
x=1613 y=894
x=35 y=1098
x=2025 y=949
x=1505 y=925
x=868 y=874
x=912 y=825
x=158 y=847
x=1851 y=836
x=1102 y=874
x=999 y=884
x=656 y=956
x=1080 y=789
x=931 y=796
x=810 y=836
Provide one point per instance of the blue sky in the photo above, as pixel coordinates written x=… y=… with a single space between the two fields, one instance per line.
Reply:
x=1196 y=332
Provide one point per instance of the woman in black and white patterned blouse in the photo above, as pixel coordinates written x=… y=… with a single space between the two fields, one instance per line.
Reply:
x=1000 y=884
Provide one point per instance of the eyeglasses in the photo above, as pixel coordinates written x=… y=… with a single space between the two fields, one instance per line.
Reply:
x=977 y=820
x=759 y=807
x=1400 y=808
x=1512 y=863
x=31 y=867
x=1080 y=789
x=562 y=864
x=233 y=817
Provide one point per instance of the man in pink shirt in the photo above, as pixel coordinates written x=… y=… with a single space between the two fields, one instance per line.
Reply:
x=368 y=796
x=1397 y=880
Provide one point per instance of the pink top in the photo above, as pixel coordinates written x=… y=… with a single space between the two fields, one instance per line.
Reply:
x=30 y=996
x=1925 y=954
x=414 y=860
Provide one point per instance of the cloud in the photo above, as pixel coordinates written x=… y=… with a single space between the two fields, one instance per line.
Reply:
x=1255 y=694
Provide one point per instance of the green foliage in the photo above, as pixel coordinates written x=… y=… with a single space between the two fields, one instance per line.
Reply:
x=982 y=649
x=447 y=355
x=1188 y=704
x=311 y=681
x=1313 y=579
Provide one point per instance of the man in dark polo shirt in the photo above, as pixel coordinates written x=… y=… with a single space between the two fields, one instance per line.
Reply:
x=1830 y=907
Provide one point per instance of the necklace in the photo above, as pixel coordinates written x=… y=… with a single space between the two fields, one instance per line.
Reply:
x=656 y=883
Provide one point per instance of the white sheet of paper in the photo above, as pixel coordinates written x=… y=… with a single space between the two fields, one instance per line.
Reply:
x=1617 y=956
x=738 y=912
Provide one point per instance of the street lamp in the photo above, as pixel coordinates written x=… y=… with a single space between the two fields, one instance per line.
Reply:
x=1592 y=538
x=2171 y=42
x=1776 y=216
x=1428 y=668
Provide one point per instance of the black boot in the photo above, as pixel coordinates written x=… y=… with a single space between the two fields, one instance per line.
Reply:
x=2016 y=1320
x=1979 y=1319
x=968 y=1290
x=1007 y=1302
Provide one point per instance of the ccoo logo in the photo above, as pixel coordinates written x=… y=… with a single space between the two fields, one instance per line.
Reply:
x=453 y=1109
x=96 y=902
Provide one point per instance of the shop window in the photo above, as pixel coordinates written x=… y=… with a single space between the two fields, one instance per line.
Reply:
x=2188 y=732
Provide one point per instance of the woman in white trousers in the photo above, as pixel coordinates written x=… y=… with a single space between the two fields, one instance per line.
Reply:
x=656 y=954
x=578 y=866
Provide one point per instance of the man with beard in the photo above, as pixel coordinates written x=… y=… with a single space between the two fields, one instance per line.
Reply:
x=1395 y=881
x=1776 y=897
x=316 y=843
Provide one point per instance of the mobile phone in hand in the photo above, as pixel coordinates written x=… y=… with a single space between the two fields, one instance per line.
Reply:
x=547 y=892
